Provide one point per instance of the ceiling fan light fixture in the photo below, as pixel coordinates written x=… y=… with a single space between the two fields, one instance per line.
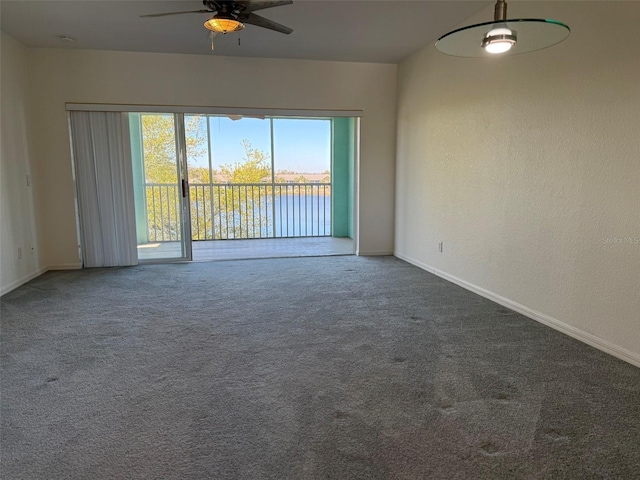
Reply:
x=223 y=24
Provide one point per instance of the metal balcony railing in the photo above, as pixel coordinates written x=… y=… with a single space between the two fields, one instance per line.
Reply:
x=240 y=211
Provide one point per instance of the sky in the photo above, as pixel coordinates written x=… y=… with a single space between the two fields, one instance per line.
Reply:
x=300 y=145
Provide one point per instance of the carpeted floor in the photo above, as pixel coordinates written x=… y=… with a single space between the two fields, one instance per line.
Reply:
x=306 y=368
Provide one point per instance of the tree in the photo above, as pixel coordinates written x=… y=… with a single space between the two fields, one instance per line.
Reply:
x=159 y=145
x=247 y=194
x=160 y=168
x=253 y=168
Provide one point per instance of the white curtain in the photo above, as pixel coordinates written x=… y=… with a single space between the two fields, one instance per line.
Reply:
x=104 y=182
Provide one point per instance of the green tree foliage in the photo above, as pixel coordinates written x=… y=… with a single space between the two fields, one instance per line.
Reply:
x=160 y=167
x=255 y=167
x=159 y=145
x=240 y=205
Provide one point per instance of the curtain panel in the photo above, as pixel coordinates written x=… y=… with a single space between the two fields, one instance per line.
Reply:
x=104 y=184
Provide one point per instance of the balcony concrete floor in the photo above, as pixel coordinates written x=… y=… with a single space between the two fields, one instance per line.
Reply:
x=246 y=249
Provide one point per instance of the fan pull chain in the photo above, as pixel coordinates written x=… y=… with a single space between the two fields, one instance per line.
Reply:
x=213 y=36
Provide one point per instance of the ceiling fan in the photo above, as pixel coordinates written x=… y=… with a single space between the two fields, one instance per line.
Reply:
x=231 y=15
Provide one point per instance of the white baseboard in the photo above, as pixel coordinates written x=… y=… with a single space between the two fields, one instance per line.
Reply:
x=588 y=338
x=65 y=266
x=374 y=253
x=27 y=278
x=21 y=281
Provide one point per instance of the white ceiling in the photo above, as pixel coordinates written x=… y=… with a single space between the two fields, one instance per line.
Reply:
x=380 y=31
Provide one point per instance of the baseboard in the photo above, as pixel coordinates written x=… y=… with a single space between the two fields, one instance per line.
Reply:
x=27 y=278
x=65 y=266
x=588 y=338
x=21 y=281
x=374 y=253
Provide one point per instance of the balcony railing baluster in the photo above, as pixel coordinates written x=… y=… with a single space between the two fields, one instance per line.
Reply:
x=257 y=211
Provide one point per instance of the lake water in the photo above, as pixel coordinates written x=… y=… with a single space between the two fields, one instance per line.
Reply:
x=295 y=216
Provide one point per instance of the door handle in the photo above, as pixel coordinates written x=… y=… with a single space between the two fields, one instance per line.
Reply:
x=184 y=188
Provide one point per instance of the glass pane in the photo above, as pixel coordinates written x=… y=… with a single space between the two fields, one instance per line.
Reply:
x=157 y=187
x=532 y=34
x=241 y=148
x=241 y=171
x=302 y=164
x=199 y=174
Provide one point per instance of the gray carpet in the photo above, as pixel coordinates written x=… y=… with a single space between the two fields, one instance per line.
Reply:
x=332 y=368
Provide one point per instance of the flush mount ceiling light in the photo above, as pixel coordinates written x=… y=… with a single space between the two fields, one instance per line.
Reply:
x=503 y=36
x=224 y=23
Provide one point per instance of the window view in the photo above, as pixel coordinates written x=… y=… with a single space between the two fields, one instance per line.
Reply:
x=159 y=223
x=235 y=154
x=259 y=189
x=244 y=178
x=302 y=168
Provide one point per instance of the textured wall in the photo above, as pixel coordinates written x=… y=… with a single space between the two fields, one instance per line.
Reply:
x=528 y=169
x=138 y=78
x=17 y=218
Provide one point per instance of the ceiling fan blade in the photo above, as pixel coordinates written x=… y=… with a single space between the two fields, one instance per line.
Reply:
x=176 y=13
x=252 y=6
x=257 y=20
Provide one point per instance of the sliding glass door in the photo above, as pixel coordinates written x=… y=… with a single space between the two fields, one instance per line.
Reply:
x=206 y=179
x=158 y=150
x=200 y=179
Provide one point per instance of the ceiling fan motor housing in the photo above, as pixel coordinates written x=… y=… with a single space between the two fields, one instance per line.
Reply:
x=224 y=7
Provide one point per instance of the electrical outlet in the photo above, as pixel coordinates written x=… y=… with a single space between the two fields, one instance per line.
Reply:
x=440 y=247
x=19 y=253
x=28 y=180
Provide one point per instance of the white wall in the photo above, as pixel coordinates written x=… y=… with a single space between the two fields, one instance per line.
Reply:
x=17 y=218
x=528 y=169
x=61 y=76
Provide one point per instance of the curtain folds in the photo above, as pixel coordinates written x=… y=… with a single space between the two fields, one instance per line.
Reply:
x=104 y=183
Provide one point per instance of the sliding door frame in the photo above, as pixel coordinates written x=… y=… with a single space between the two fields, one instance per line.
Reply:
x=183 y=179
x=181 y=150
